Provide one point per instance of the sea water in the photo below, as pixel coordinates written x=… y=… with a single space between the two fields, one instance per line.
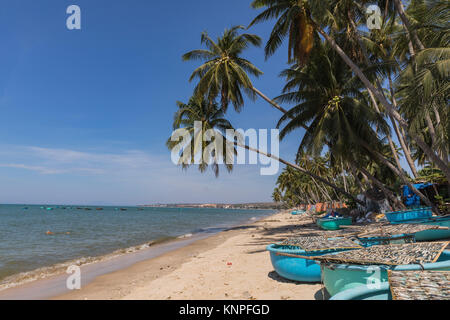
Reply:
x=40 y=237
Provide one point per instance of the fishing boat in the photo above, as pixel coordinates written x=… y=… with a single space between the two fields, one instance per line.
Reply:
x=403 y=285
x=297 y=269
x=333 y=223
x=297 y=212
x=287 y=263
x=392 y=239
x=364 y=292
x=406 y=215
x=435 y=234
x=344 y=276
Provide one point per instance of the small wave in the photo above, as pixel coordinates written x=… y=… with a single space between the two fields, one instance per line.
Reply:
x=60 y=268
x=188 y=235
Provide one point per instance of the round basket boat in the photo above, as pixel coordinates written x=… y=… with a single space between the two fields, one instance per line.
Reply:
x=381 y=292
x=297 y=269
x=435 y=234
x=333 y=223
x=341 y=277
x=395 y=239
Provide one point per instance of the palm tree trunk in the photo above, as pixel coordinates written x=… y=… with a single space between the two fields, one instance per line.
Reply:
x=400 y=137
x=430 y=128
x=273 y=103
x=292 y=165
x=379 y=95
x=412 y=34
x=388 y=193
x=398 y=173
x=357 y=180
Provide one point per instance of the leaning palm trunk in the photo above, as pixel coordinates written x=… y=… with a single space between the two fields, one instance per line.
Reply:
x=412 y=33
x=388 y=193
x=400 y=137
x=290 y=164
x=273 y=103
x=379 y=95
x=398 y=173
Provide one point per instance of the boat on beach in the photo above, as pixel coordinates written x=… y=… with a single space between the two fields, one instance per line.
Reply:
x=434 y=234
x=339 y=277
x=288 y=266
x=286 y=260
x=403 y=285
x=364 y=292
x=298 y=212
x=407 y=215
x=333 y=223
x=386 y=240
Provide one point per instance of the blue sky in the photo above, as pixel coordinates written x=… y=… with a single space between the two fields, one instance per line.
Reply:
x=85 y=113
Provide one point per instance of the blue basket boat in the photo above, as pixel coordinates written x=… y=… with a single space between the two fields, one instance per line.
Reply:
x=297 y=212
x=412 y=214
x=333 y=223
x=341 y=277
x=431 y=235
x=297 y=269
x=395 y=239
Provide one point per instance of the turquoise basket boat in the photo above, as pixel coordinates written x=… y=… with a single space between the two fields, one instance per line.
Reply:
x=297 y=212
x=333 y=223
x=430 y=235
x=297 y=269
x=396 y=239
x=381 y=292
x=401 y=216
x=341 y=277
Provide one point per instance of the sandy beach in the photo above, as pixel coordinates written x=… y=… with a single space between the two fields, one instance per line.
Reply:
x=230 y=265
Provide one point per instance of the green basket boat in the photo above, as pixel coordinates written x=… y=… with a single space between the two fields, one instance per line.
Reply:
x=341 y=277
x=333 y=223
x=381 y=292
x=431 y=235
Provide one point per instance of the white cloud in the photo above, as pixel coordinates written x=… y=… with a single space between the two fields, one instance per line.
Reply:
x=128 y=177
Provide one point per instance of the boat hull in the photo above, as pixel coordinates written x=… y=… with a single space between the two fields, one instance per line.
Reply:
x=430 y=235
x=381 y=292
x=334 y=224
x=293 y=268
x=376 y=241
x=341 y=277
x=402 y=216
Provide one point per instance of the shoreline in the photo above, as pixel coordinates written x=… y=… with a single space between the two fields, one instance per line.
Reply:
x=51 y=279
x=230 y=265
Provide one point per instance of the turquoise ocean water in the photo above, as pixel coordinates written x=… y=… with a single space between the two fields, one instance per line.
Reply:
x=85 y=232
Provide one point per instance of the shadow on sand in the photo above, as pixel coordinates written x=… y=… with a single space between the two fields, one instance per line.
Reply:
x=321 y=294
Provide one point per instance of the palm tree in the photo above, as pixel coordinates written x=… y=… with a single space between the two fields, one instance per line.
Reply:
x=317 y=15
x=211 y=118
x=225 y=73
x=329 y=101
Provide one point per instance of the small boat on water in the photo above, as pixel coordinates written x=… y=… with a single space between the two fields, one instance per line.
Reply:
x=406 y=215
x=333 y=223
x=435 y=234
